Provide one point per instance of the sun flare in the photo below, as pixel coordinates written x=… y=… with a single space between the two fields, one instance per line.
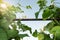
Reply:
x=3 y=6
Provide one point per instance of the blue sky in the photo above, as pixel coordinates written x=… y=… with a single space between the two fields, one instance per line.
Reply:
x=30 y=14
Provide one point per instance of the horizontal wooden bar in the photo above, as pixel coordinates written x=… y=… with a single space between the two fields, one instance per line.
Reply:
x=34 y=19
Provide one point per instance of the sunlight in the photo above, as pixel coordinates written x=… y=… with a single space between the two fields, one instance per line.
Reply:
x=4 y=6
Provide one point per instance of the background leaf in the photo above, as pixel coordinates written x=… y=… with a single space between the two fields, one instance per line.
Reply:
x=49 y=26
x=3 y=34
x=40 y=36
x=28 y=7
x=25 y=27
x=37 y=14
x=12 y=33
x=23 y=35
x=56 y=32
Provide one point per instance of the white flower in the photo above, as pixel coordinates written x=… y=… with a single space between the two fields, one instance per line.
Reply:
x=51 y=36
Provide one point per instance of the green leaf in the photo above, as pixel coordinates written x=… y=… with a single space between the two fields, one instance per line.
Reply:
x=51 y=6
x=37 y=14
x=56 y=31
x=17 y=38
x=43 y=36
x=35 y=33
x=23 y=35
x=4 y=24
x=57 y=13
x=47 y=37
x=9 y=15
x=3 y=34
x=12 y=33
x=15 y=8
x=18 y=22
x=49 y=26
x=42 y=3
x=25 y=27
x=14 y=26
x=47 y=13
x=29 y=7
x=40 y=36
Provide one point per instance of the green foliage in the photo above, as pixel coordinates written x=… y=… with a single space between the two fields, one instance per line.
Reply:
x=51 y=6
x=4 y=24
x=49 y=26
x=57 y=14
x=43 y=36
x=35 y=33
x=12 y=33
x=28 y=7
x=40 y=36
x=7 y=15
x=25 y=27
x=47 y=13
x=10 y=17
x=3 y=35
x=42 y=3
x=37 y=14
x=56 y=31
x=15 y=8
x=23 y=35
x=50 y=12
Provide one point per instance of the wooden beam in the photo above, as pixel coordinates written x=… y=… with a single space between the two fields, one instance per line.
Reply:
x=34 y=19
